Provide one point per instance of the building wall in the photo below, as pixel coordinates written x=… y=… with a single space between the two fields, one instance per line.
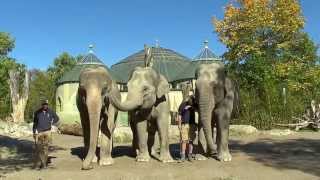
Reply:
x=66 y=106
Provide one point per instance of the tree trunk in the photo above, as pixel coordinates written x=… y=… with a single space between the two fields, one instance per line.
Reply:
x=18 y=99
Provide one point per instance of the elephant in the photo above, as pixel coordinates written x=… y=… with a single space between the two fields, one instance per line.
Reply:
x=147 y=104
x=97 y=114
x=215 y=98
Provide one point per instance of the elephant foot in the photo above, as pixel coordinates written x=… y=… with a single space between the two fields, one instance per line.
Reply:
x=154 y=152
x=106 y=161
x=86 y=166
x=166 y=158
x=94 y=159
x=200 y=157
x=224 y=156
x=143 y=158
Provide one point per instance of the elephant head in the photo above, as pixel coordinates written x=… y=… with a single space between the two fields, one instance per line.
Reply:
x=145 y=86
x=94 y=85
x=209 y=92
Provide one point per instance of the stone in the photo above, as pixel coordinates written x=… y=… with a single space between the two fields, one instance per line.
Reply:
x=122 y=135
x=279 y=132
x=242 y=129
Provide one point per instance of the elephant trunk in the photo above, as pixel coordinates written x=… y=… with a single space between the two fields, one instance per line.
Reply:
x=133 y=101
x=94 y=105
x=205 y=113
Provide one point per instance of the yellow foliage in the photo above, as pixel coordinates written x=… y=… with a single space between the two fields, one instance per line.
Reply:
x=244 y=28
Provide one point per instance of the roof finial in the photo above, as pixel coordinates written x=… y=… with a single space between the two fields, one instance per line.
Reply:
x=91 y=48
x=157 y=43
x=206 y=44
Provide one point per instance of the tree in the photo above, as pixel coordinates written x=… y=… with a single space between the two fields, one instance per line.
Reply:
x=6 y=43
x=260 y=27
x=41 y=87
x=270 y=56
x=19 y=96
x=19 y=75
x=63 y=63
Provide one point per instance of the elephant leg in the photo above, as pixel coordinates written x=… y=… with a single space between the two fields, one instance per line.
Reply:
x=223 y=118
x=214 y=131
x=152 y=128
x=163 y=127
x=106 y=141
x=132 y=122
x=202 y=144
x=142 y=135
x=107 y=128
x=85 y=128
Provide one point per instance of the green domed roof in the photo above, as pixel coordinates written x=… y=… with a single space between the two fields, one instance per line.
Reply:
x=206 y=56
x=167 y=62
x=90 y=60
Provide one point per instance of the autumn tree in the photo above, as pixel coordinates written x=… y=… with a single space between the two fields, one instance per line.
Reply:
x=268 y=51
x=264 y=37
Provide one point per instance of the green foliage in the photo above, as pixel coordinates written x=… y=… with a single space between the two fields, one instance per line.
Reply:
x=6 y=43
x=42 y=83
x=267 y=51
x=41 y=87
x=7 y=64
x=61 y=64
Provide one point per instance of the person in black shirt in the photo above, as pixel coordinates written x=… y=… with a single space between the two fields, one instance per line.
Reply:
x=187 y=126
x=43 y=120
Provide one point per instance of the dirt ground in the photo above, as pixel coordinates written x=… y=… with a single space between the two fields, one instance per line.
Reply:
x=255 y=157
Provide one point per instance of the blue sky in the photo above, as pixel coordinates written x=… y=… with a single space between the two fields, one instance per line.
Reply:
x=44 y=29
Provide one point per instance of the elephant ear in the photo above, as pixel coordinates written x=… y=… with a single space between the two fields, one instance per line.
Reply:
x=163 y=87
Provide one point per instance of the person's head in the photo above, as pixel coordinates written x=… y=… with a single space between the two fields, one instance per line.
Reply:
x=44 y=104
x=191 y=100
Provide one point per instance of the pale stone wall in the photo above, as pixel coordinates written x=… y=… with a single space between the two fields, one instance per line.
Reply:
x=66 y=105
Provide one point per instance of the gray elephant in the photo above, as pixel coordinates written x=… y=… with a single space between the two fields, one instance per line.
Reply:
x=215 y=98
x=148 y=106
x=97 y=111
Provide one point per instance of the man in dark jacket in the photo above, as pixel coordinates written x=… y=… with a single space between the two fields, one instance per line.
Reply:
x=43 y=120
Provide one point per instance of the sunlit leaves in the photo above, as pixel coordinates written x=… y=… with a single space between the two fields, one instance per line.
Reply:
x=258 y=26
x=6 y=43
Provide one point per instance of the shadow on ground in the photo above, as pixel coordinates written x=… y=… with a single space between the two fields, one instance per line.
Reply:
x=117 y=151
x=17 y=154
x=123 y=150
x=296 y=154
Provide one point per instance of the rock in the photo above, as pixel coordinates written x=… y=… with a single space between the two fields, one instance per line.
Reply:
x=6 y=152
x=71 y=129
x=15 y=130
x=122 y=135
x=242 y=129
x=279 y=132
